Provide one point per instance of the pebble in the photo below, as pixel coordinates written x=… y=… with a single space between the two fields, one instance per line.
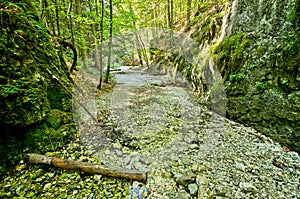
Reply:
x=183 y=195
x=240 y=166
x=193 y=188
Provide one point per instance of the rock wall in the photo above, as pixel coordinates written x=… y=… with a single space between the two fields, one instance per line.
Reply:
x=259 y=60
x=255 y=44
x=36 y=107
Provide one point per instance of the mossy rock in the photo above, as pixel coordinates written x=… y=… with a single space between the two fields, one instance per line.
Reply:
x=55 y=118
x=30 y=66
x=35 y=100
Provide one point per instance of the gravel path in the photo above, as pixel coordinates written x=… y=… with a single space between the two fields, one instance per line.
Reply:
x=150 y=124
x=188 y=151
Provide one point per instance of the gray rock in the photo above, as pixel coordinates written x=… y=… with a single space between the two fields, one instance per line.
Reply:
x=240 y=166
x=247 y=187
x=185 y=179
x=182 y=194
x=194 y=146
x=193 y=188
x=202 y=180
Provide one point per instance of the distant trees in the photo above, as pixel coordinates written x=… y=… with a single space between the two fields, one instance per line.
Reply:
x=86 y=24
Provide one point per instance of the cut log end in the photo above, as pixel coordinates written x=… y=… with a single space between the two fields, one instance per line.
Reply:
x=37 y=159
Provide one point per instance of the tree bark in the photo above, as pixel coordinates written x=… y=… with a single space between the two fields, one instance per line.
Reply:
x=95 y=52
x=188 y=14
x=110 y=40
x=87 y=167
x=57 y=17
x=101 y=40
x=71 y=22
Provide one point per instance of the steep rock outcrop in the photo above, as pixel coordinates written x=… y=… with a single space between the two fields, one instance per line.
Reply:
x=259 y=60
x=35 y=100
x=256 y=47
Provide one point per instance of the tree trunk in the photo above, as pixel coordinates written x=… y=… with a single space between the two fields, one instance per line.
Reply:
x=87 y=167
x=95 y=52
x=101 y=40
x=77 y=7
x=110 y=40
x=188 y=14
x=57 y=17
x=71 y=22
x=140 y=44
x=170 y=20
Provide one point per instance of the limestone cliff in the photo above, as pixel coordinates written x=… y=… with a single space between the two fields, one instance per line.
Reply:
x=256 y=47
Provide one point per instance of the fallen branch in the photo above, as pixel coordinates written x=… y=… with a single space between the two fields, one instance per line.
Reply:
x=87 y=167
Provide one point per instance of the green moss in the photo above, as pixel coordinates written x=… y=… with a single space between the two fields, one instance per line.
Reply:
x=229 y=55
x=285 y=62
x=260 y=85
x=31 y=74
x=43 y=138
x=54 y=118
x=236 y=77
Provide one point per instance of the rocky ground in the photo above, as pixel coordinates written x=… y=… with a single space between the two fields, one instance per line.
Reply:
x=151 y=124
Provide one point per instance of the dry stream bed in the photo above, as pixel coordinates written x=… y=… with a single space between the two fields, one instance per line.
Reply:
x=149 y=123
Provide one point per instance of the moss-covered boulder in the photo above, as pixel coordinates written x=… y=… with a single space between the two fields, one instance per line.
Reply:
x=35 y=99
x=29 y=67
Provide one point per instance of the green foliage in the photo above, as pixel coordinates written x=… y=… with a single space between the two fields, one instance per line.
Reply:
x=33 y=176
x=236 y=77
x=260 y=85
x=208 y=20
x=285 y=61
x=64 y=176
x=284 y=81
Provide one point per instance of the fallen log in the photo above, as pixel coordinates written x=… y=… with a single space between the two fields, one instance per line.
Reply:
x=86 y=167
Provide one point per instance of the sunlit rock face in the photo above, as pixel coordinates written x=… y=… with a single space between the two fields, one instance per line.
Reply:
x=263 y=90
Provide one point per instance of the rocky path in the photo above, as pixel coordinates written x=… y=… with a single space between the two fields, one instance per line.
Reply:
x=188 y=151
x=150 y=124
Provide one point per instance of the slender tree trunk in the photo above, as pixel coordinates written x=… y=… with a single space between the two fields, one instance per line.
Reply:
x=140 y=44
x=71 y=22
x=79 y=32
x=170 y=20
x=95 y=52
x=188 y=14
x=77 y=7
x=46 y=14
x=110 y=40
x=172 y=14
x=101 y=40
x=57 y=17
x=139 y=55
